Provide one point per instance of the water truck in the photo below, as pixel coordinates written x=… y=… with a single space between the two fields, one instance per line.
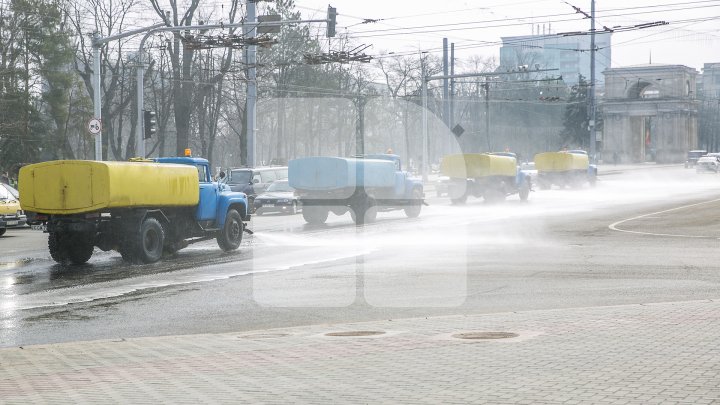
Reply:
x=142 y=209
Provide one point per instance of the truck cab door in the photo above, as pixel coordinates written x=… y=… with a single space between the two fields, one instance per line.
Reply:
x=207 y=207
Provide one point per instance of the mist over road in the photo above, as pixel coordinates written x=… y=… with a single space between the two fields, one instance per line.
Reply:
x=643 y=235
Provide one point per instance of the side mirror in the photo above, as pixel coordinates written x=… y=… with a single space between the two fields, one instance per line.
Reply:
x=256 y=181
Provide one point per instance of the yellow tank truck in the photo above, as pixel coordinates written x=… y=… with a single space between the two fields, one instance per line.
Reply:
x=565 y=168
x=142 y=209
x=490 y=176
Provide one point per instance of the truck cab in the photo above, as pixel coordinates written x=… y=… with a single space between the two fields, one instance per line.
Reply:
x=215 y=197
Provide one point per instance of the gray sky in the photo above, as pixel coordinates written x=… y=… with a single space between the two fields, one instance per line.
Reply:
x=692 y=37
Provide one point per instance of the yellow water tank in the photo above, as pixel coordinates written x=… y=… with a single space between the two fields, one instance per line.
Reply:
x=80 y=186
x=476 y=165
x=561 y=161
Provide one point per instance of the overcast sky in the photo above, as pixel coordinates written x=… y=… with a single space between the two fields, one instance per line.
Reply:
x=692 y=37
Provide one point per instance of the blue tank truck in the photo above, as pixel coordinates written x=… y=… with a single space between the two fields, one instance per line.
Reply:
x=362 y=185
x=143 y=209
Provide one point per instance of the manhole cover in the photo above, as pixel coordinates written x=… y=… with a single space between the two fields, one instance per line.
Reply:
x=485 y=335
x=264 y=336
x=354 y=333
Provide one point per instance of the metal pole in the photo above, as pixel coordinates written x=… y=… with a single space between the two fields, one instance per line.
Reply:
x=139 y=132
x=487 y=112
x=97 y=102
x=251 y=87
x=446 y=92
x=593 y=141
x=451 y=121
x=424 y=163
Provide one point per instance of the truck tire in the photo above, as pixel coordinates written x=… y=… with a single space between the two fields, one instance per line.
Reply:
x=230 y=236
x=70 y=247
x=524 y=190
x=413 y=211
x=2 y=231
x=364 y=212
x=147 y=245
x=315 y=215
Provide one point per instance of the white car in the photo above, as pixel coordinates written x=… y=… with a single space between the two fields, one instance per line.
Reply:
x=708 y=164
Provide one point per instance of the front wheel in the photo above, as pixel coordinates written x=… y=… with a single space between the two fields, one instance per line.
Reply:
x=413 y=211
x=230 y=236
x=2 y=231
x=524 y=191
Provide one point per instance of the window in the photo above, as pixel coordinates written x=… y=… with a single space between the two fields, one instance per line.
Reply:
x=202 y=174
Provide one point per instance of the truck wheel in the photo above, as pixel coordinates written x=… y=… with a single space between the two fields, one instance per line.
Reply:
x=149 y=246
x=524 y=191
x=314 y=215
x=2 y=231
x=230 y=236
x=365 y=212
x=66 y=247
x=413 y=211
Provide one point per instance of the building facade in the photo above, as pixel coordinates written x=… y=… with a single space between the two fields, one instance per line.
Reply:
x=650 y=113
x=570 y=54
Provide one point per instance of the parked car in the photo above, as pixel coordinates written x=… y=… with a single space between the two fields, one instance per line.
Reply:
x=693 y=156
x=11 y=216
x=279 y=197
x=708 y=163
x=254 y=181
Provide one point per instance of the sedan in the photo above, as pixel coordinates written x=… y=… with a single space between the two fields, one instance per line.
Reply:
x=708 y=164
x=11 y=216
x=279 y=197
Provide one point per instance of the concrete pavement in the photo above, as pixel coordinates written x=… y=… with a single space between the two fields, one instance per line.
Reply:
x=640 y=354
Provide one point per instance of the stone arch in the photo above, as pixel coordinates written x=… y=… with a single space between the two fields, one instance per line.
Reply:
x=636 y=90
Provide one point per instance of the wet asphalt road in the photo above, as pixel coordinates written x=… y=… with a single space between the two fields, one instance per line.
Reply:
x=643 y=235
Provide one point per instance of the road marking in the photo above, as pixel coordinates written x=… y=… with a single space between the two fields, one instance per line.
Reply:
x=614 y=227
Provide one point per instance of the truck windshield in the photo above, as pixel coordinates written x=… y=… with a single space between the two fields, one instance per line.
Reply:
x=240 y=177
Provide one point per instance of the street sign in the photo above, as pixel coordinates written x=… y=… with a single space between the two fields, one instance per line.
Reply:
x=458 y=130
x=94 y=126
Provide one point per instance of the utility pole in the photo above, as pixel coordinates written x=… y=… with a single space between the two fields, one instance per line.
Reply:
x=451 y=121
x=446 y=92
x=424 y=163
x=487 y=112
x=593 y=140
x=251 y=106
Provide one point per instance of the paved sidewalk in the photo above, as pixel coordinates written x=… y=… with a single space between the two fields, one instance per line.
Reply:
x=641 y=354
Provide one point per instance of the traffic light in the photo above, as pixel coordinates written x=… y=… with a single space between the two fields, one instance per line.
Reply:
x=149 y=123
x=332 y=17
